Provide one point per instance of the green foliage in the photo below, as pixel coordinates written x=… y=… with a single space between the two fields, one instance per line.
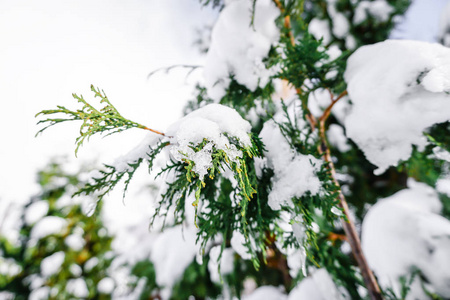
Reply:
x=106 y=120
x=110 y=177
x=30 y=253
x=308 y=59
x=195 y=282
x=145 y=270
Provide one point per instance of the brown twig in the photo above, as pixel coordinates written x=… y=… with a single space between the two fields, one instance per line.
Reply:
x=152 y=130
x=349 y=227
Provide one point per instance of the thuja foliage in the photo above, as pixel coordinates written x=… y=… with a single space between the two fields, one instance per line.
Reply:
x=233 y=197
x=106 y=120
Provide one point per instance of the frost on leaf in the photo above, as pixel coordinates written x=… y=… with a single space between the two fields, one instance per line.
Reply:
x=398 y=90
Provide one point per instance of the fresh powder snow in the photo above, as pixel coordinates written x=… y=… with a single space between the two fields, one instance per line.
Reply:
x=398 y=89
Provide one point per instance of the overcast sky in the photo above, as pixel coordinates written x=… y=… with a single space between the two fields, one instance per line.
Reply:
x=51 y=49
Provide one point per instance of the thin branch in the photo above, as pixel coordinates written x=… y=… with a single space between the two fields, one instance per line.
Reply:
x=327 y=111
x=168 y=69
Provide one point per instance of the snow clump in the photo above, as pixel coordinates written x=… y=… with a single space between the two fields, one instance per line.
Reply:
x=398 y=89
x=405 y=231
x=266 y=292
x=173 y=251
x=51 y=264
x=294 y=173
x=319 y=286
x=239 y=46
x=379 y=9
x=217 y=124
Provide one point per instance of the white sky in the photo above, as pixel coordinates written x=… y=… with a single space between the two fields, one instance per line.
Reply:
x=51 y=49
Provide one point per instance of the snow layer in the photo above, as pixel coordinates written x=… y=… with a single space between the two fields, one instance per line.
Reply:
x=210 y=122
x=405 y=231
x=320 y=29
x=239 y=47
x=379 y=9
x=173 y=251
x=319 y=286
x=75 y=241
x=36 y=211
x=337 y=138
x=51 y=264
x=295 y=174
x=77 y=287
x=266 y=292
x=106 y=285
x=47 y=226
x=398 y=88
x=140 y=151
x=226 y=263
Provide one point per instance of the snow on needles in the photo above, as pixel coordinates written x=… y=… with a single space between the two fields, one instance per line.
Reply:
x=239 y=46
x=210 y=122
x=405 y=231
x=294 y=174
x=398 y=89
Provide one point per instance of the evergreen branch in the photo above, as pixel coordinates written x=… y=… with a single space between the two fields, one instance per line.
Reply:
x=106 y=120
x=111 y=176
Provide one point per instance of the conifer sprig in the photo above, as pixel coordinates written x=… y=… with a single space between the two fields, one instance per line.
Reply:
x=106 y=120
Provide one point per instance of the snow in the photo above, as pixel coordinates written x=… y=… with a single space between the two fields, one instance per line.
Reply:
x=173 y=251
x=318 y=286
x=238 y=244
x=294 y=174
x=140 y=151
x=210 y=122
x=320 y=29
x=441 y=154
x=398 y=89
x=226 y=263
x=379 y=9
x=75 y=270
x=75 y=242
x=106 y=285
x=91 y=263
x=337 y=138
x=36 y=211
x=341 y=26
x=266 y=292
x=443 y=185
x=51 y=264
x=404 y=231
x=47 y=226
x=238 y=48
x=41 y=293
x=77 y=287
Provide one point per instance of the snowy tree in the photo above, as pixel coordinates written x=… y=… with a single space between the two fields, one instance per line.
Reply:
x=307 y=117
